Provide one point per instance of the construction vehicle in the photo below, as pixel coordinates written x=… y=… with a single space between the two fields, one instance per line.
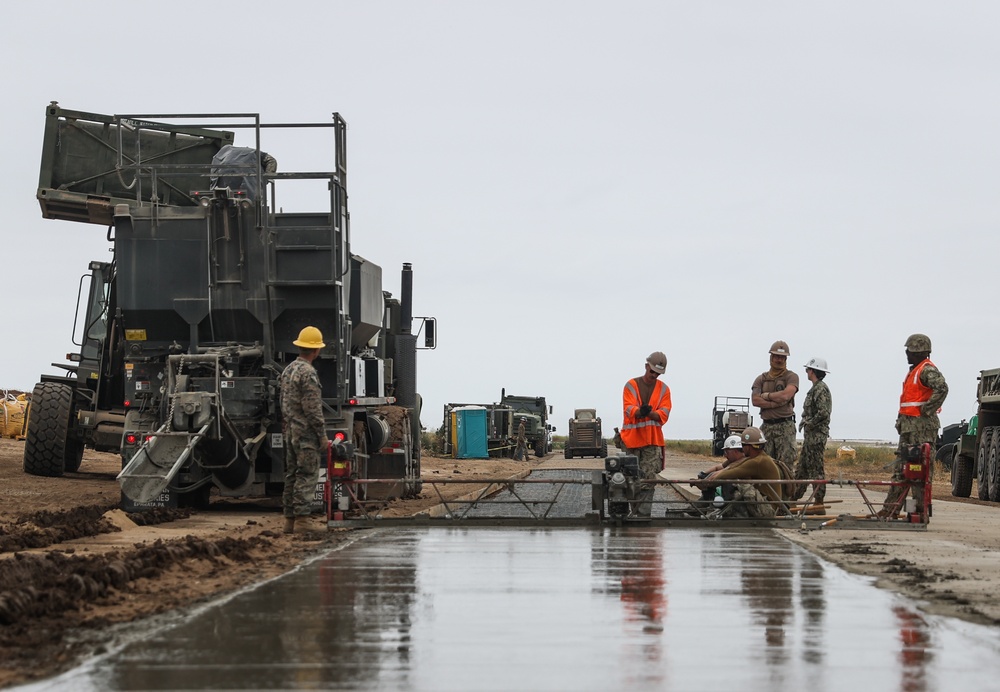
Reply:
x=585 y=437
x=730 y=416
x=185 y=332
x=975 y=454
x=535 y=414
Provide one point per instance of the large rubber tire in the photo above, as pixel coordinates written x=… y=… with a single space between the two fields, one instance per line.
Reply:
x=604 y=449
x=47 y=444
x=567 y=454
x=539 y=448
x=74 y=456
x=994 y=470
x=983 y=464
x=961 y=476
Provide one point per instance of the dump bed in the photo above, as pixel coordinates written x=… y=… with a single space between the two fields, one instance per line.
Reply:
x=89 y=164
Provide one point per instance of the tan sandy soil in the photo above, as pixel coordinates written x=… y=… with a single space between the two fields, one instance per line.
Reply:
x=72 y=564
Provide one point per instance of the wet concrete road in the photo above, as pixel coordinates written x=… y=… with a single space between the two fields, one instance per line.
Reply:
x=558 y=609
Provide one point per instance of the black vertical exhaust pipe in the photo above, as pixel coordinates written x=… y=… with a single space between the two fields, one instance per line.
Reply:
x=406 y=299
x=405 y=362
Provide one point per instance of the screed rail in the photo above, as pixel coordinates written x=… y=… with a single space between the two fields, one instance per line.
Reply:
x=565 y=501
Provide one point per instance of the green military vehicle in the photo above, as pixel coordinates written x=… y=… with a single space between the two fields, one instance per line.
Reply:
x=976 y=451
x=535 y=413
x=585 y=437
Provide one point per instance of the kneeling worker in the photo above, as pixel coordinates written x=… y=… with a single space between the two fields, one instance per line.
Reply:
x=750 y=499
x=732 y=451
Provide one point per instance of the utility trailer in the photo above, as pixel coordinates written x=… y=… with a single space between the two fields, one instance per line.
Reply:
x=730 y=416
x=186 y=330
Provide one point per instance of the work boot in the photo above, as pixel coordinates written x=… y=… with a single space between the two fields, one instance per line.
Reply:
x=289 y=525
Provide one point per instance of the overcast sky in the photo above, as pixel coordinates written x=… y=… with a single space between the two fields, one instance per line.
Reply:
x=579 y=183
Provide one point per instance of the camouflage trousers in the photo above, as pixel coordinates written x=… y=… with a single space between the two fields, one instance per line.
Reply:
x=780 y=443
x=650 y=460
x=301 y=477
x=521 y=451
x=749 y=503
x=810 y=465
x=650 y=465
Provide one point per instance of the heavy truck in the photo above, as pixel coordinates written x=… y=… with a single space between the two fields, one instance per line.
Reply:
x=184 y=333
x=535 y=413
x=975 y=450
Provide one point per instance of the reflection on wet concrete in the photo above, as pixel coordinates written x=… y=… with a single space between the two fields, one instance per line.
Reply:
x=558 y=609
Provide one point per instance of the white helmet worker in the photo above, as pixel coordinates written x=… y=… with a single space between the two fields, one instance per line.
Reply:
x=732 y=442
x=817 y=364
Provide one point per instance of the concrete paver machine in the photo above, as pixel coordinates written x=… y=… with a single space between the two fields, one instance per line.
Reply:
x=184 y=333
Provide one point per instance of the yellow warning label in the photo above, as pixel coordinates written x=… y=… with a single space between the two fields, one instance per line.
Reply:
x=135 y=335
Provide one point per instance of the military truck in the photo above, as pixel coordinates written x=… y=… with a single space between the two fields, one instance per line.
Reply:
x=535 y=413
x=185 y=332
x=585 y=438
x=976 y=452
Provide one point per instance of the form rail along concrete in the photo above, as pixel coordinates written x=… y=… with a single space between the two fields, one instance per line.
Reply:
x=184 y=333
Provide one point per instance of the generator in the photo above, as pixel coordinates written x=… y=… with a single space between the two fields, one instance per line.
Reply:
x=622 y=487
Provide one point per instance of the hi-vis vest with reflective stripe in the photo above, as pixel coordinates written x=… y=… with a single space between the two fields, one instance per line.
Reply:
x=915 y=393
x=644 y=431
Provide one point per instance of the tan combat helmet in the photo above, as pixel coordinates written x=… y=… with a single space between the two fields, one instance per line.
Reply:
x=779 y=348
x=752 y=436
x=918 y=343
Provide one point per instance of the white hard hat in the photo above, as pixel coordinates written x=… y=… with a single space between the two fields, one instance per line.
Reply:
x=732 y=442
x=817 y=364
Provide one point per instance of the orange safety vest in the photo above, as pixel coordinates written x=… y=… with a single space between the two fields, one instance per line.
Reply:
x=915 y=393
x=644 y=432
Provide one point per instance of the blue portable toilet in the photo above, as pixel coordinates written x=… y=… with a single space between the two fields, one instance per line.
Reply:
x=470 y=432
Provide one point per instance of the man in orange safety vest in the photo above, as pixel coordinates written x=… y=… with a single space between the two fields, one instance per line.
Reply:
x=646 y=408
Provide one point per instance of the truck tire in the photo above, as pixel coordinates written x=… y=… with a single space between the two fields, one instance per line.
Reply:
x=539 y=448
x=47 y=445
x=983 y=464
x=994 y=470
x=961 y=476
x=604 y=449
x=74 y=455
x=567 y=454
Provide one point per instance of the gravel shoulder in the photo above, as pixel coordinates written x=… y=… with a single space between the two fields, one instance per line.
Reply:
x=74 y=568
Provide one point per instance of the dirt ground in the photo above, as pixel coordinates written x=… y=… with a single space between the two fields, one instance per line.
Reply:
x=73 y=566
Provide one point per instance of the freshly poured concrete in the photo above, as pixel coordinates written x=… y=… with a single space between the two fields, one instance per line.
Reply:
x=559 y=609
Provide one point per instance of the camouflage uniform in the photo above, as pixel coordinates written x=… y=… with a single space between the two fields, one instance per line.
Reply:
x=304 y=429
x=816 y=426
x=521 y=450
x=914 y=430
x=750 y=503
x=778 y=424
x=650 y=465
